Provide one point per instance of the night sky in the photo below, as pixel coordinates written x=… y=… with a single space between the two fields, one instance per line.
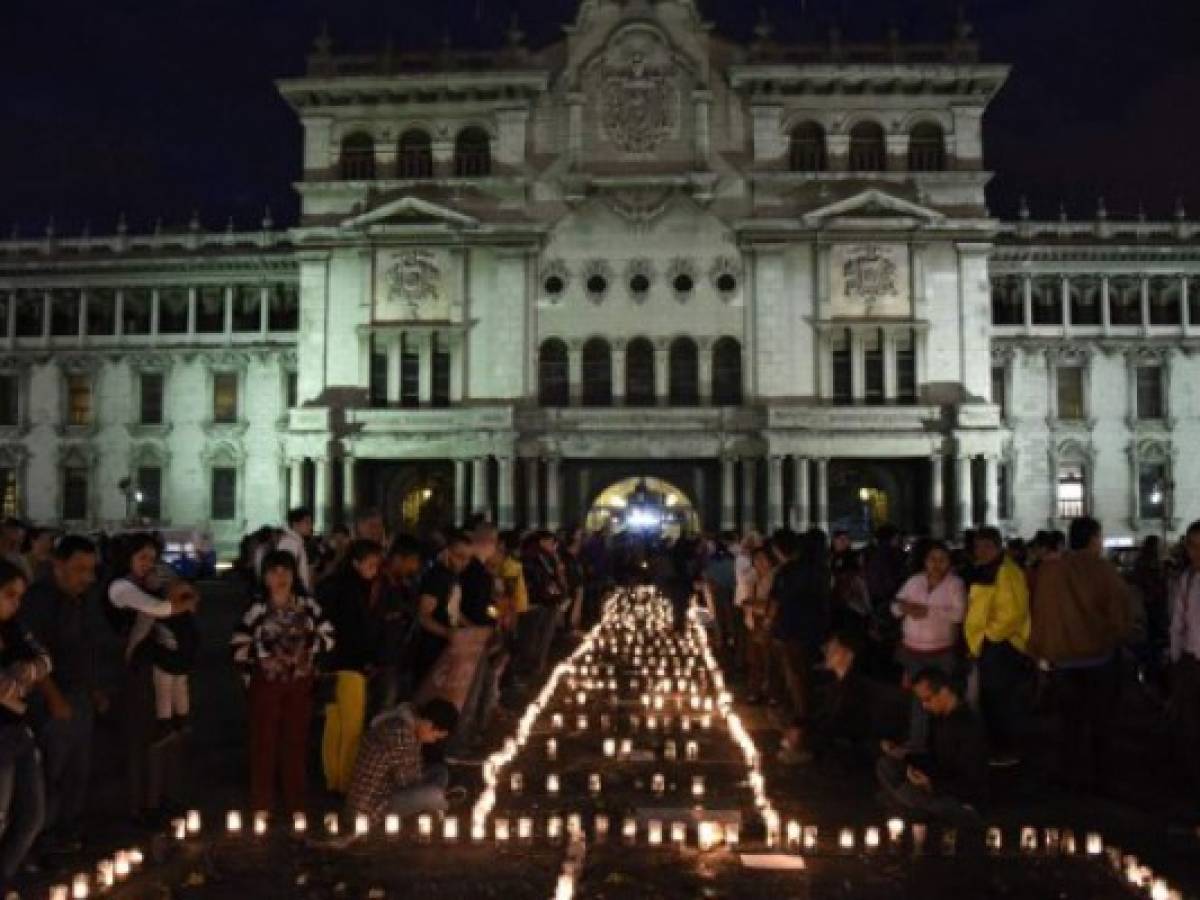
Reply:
x=159 y=107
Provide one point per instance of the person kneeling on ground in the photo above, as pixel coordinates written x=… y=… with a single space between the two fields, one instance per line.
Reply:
x=950 y=781
x=389 y=774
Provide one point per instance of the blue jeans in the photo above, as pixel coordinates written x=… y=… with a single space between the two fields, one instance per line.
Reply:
x=67 y=759
x=22 y=806
x=893 y=778
x=426 y=795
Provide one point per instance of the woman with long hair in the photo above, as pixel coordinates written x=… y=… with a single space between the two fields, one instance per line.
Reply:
x=277 y=648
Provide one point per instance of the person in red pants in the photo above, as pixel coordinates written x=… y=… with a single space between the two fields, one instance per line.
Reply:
x=277 y=647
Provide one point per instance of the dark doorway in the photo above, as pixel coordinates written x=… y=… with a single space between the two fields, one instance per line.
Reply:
x=866 y=493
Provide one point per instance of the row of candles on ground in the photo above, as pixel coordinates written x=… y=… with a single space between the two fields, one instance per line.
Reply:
x=658 y=784
x=109 y=873
x=558 y=722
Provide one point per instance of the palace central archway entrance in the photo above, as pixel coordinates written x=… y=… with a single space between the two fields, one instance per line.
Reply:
x=643 y=505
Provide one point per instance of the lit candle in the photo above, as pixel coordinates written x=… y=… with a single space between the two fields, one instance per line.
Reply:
x=564 y=889
x=654 y=832
x=871 y=838
x=846 y=839
x=478 y=830
x=105 y=874
x=949 y=841
x=501 y=831
x=601 y=827
x=136 y=857
x=552 y=784
x=685 y=723
x=525 y=828
x=425 y=827
x=516 y=783
x=556 y=721
x=581 y=723
x=732 y=833
x=233 y=821
x=179 y=828
x=1051 y=840
x=121 y=865
x=1029 y=840
x=260 y=822
x=193 y=821
x=895 y=828
x=554 y=828
x=629 y=830
x=1068 y=842
x=659 y=783
x=669 y=750
x=391 y=824
x=299 y=823
x=606 y=719
x=575 y=825
x=551 y=749
x=1095 y=844
x=626 y=746
x=79 y=887
x=652 y=723
x=60 y=892
x=706 y=722
x=793 y=833
x=678 y=833
x=995 y=840
x=331 y=823
x=581 y=699
x=610 y=747
x=692 y=751
x=450 y=829
x=362 y=824
x=810 y=837
x=698 y=786
x=594 y=784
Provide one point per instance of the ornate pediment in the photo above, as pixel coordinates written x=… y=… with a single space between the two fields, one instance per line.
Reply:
x=872 y=204
x=411 y=210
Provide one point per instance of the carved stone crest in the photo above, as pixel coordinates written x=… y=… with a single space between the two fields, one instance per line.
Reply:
x=412 y=277
x=869 y=275
x=639 y=96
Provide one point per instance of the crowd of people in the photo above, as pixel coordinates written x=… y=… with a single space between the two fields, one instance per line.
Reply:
x=918 y=661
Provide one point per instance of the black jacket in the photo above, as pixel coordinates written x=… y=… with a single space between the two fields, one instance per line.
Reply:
x=957 y=763
x=345 y=598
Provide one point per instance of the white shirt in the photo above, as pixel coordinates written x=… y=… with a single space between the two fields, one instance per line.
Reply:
x=947 y=605
x=1185 y=615
x=292 y=543
x=124 y=594
x=743 y=572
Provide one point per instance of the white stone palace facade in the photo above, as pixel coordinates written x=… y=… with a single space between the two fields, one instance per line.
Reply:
x=763 y=273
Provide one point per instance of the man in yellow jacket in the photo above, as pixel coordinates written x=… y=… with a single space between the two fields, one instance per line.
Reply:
x=997 y=632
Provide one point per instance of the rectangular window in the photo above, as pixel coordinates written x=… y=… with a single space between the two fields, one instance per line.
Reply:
x=1152 y=490
x=224 y=494
x=149 y=493
x=75 y=494
x=1070 y=393
x=441 y=372
x=247 y=308
x=906 y=368
x=9 y=498
x=210 y=309
x=136 y=311
x=5 y=305
x=410 y=372
x=1072 y=491
x=100 y=318
x=173 y=310
x=151 y=386
x=79 y=400
x=31 y=313
x=283 y=311
x=291 y=389
x=1150 y=404
x=225 y=398
x=379 y=375
x=1000 y=389
x=873 y=367
x=842 y=390
x=10 y=401
x=64 y=313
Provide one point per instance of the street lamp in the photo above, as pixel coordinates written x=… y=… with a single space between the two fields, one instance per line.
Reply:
x=864 y=495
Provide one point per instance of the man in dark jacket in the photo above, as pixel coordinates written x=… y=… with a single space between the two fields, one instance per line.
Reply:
x=394 y=617
x=950 y=782
x=799 y=613
x=1080 y=618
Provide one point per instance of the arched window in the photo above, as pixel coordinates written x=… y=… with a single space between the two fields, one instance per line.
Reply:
x=727 y=372
x=597 y=373
x=639 y=373
x=554 y=385
x=927 y=148
x=472 y=153
x=684 y=373
x=807 y=151
x=868 y=149
x=358 y=157
x=414 y=155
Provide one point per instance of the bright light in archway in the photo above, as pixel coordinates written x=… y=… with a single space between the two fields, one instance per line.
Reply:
x=644 y=518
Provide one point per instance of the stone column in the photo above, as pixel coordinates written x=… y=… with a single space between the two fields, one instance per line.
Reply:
x=802 y=511
x=321 y=500
x=1105 y=311
x=890 y=374
x=618 y=372
x=191 y=310
x=728 y=498
x=1066 y=303
x=749 y=479
x=858 y=367
x=662 y=374
x=1027 y=302
x=965 y=500
x=1145 y=304
x=504 y=472
x=937 y=512
x=705 y=351
x=823 y=494
x=1185 y=309
x=532 y=511
x=393 y=347
x=575 y=371
x=460 y=492
x=457 y=348
x=775 y=512
x=992 y=490
x=296 y=484
x=553 y=493
x=425 y=378
x=481 y=494
x=349 y=497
